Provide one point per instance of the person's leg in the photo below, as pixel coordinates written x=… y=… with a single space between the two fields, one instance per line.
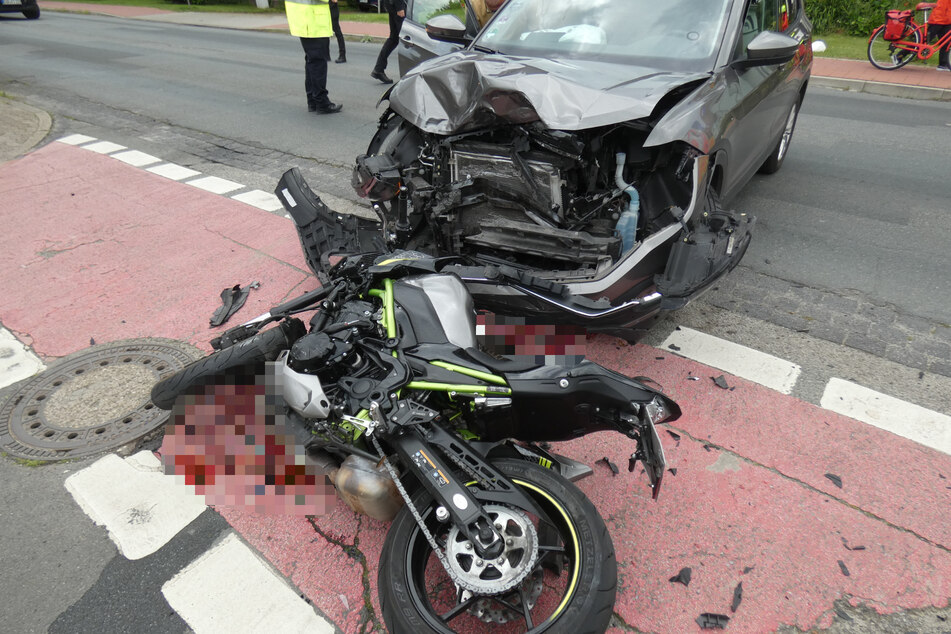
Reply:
x=940 y=31
x=316 y=55
x=335 y=22
x=396 y=23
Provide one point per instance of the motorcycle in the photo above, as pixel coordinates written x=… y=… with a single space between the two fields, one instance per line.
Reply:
x=388 y=385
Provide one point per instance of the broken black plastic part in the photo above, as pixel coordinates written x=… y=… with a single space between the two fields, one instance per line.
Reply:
x=232 y=299
x=673 y=470
x=836 y=480
x=845 y=543
x=611 y=465
x=737 y=597
x=721 y=383
x=632 y=463
x=748 y=569
x=673 y=435
x=708 y=621
x=674 y=347
x=844 y=568
x=682 y=577
x=842 y=614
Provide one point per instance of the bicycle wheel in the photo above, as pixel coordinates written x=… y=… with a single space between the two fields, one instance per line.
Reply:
x=891 y=55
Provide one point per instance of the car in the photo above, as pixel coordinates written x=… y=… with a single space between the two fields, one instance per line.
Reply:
x=28 y=8
x=590 y=149
x=415 y=44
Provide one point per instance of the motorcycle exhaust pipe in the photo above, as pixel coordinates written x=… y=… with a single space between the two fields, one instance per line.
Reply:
x=367 y=488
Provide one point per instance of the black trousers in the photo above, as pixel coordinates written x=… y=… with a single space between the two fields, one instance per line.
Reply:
x=316 y=56
x=396 y=23
x=335 y=22
x=935 y=32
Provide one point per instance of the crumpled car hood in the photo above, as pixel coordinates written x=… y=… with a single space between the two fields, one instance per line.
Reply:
x=448 y=94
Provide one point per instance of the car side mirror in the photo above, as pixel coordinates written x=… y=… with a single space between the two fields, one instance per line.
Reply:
x=447 y=28
x=769 y=48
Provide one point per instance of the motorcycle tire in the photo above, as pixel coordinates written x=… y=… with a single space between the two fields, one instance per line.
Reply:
x=263 y=346
x=409 y=571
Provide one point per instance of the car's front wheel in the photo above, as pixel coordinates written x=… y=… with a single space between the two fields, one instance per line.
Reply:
x=775 y=160
x=32 y=13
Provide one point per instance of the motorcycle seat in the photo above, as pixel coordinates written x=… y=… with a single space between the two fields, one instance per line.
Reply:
x=501 y=365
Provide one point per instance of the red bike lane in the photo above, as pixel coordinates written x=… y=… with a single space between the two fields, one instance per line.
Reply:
x=95 y=248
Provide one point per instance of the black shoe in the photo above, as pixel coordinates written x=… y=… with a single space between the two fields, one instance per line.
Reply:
x=311 y=107
x=341 y=60
x=330 y=108
x=381 y=76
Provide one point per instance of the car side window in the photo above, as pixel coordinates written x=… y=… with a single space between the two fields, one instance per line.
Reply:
x=422 y=10
x=761 y=15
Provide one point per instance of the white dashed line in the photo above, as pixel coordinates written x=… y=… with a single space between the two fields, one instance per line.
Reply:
x=746 y=363
x=139 y=505
x=900 y=417
x=215 y=185
x=230 y=589
x=104 y=147
x=76 y=139
x=136 y=158
x=16 y=361
x=260 y=199
x=173 y=171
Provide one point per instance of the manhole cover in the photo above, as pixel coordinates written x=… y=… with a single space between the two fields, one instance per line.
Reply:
x=92 y=401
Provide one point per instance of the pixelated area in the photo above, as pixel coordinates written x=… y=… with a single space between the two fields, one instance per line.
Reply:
x=546 y=344
x=230 y=441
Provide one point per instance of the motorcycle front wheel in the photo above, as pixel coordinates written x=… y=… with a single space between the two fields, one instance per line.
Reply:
x=567 y=585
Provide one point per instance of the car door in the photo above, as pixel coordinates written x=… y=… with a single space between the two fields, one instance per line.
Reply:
x=415 y=45
x=760 y=97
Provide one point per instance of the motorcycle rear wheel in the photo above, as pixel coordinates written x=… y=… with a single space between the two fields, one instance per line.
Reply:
x=417 y=595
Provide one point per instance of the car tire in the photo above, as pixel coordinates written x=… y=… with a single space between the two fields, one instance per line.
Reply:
x=32 y=13
x=775 y=160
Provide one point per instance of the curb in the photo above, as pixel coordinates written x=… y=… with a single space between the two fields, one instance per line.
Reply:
x=902 y=91
x=22 y=127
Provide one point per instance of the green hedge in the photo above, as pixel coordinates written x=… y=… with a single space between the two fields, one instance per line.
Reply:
x=851 y=17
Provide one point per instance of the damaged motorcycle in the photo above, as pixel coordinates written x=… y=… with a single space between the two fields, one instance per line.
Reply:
x=579 y=153
x=388 y=382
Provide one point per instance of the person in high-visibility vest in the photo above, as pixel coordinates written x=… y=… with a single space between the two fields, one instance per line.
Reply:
x=310 y=21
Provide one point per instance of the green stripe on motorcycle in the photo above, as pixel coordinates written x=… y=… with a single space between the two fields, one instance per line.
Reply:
x=464 y=389
x=476 y=374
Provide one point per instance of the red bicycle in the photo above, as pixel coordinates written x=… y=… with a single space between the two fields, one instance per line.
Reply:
x=902 y=39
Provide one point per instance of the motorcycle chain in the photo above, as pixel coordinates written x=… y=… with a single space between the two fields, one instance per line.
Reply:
x=456 y=579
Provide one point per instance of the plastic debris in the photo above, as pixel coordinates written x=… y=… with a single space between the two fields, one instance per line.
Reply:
x=844 y=569
x=343 y=599
x=92 y=341
x=659 y=358
x=674 y=347
x=834 y=479
x=721 y=383
x=673 y=435
x=737 y=597
x=611 y=465
x=693 y=378
x=748 y=569
x=708 y=447
x=673 y=470
x=708 y=621
x=682 y=577
x=232 y=299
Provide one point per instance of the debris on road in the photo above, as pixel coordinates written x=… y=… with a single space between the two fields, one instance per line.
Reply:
x=844 y=569
x=721 y=383
x=737 y=597
x=682 y=577
x=611 y=465
x=845 y=543
x=708 y=621
x=834 y=479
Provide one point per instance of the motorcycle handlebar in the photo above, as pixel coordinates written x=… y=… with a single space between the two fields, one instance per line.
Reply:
x=303 y=301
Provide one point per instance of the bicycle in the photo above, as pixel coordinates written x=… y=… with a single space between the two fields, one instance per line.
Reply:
x=892 y=54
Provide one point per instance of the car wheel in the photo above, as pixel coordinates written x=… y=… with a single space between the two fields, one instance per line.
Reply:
x=32 y=13
x=772 y=164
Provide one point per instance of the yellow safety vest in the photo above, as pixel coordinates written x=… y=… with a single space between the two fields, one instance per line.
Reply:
x=309 y=18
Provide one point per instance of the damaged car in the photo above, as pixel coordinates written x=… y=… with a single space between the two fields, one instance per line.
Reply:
x=577 y=156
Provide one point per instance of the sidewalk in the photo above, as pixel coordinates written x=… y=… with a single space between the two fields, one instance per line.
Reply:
x=911 y=82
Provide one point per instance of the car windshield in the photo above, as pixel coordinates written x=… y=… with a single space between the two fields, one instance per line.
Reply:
x=674 y=34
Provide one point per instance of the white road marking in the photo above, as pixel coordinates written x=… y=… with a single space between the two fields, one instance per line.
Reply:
x=215 y=185
x=141 y=507
x=900 y=417
x=230 y=589
x=746 y=363
x=260 y=199
x=76 y=139
x=104 y=147
x=136 y=158
x=173 y=171
x=16 y=361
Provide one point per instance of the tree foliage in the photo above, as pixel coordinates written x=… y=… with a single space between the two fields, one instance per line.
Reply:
x=851 y=17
